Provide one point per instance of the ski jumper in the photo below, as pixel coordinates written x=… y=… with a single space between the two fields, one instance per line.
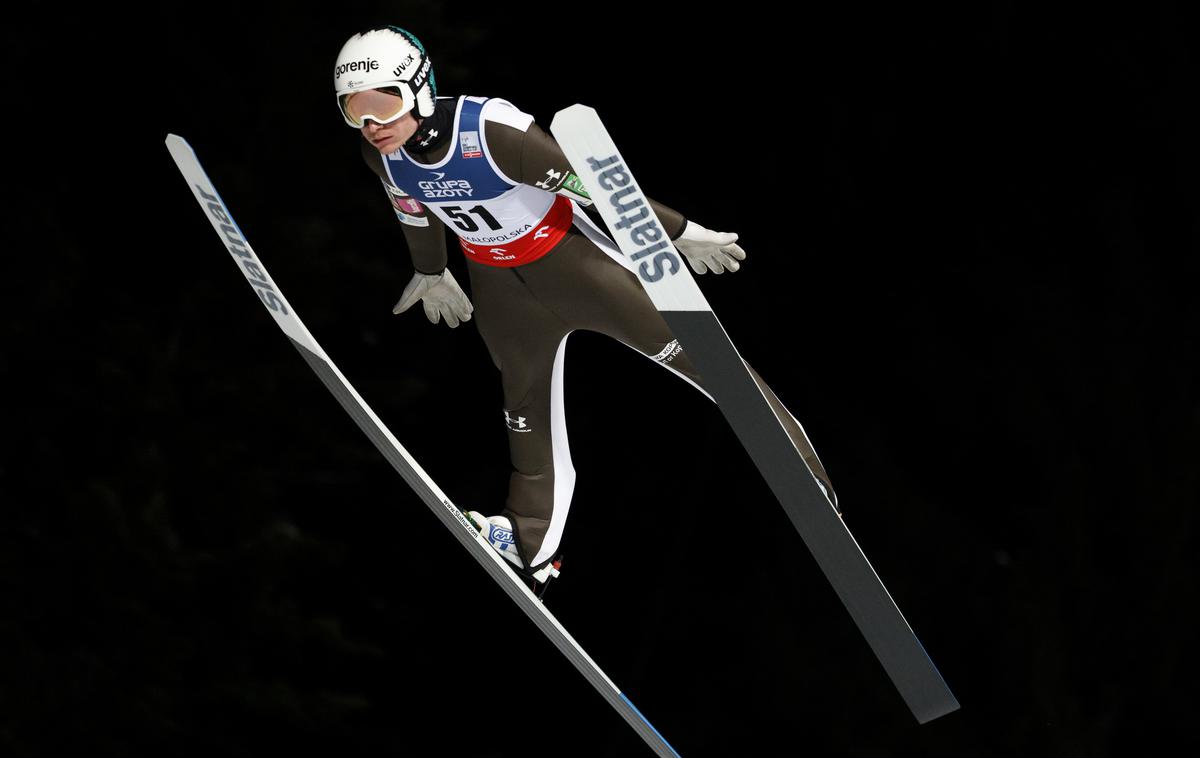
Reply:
x=541 y=266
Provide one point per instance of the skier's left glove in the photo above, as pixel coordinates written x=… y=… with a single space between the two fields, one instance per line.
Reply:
x=707 y=250
x=441 y=296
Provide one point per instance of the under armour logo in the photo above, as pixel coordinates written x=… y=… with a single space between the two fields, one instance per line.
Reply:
x=516 y=424
x=553 y=179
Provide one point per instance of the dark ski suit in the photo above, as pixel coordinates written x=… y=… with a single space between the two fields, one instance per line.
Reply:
x=541 y=266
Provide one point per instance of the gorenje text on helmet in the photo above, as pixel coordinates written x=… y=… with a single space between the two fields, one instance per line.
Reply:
x=369 y=64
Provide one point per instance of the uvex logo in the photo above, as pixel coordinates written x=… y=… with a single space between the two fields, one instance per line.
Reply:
x=398 y=70
x=419 y=78
x=370 y=64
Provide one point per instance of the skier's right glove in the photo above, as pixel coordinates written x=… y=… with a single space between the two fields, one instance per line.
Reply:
x=707 y=250
x=441 y=296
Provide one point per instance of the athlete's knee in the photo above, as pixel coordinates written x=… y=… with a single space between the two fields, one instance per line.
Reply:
x=673 y=358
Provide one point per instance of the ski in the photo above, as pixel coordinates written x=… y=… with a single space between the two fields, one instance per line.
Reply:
x=667 y=279
x=454 y=519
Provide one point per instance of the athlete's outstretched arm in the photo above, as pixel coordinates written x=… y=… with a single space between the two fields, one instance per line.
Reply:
x=432 y=283
x=423 y=231
x=533 y=157
x=538 y=160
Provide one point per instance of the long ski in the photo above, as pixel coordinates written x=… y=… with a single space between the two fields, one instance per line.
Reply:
x=432 y=495
x=641 y=237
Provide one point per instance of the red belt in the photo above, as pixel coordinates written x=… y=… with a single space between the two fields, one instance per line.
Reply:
x=531 y=245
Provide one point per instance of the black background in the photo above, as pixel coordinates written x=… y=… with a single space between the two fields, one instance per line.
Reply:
x=972 y=256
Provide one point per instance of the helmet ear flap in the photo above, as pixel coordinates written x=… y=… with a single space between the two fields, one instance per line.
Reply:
x=426 y=102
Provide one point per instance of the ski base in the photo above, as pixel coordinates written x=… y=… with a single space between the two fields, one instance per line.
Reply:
x=668 y=281
x=395 y=453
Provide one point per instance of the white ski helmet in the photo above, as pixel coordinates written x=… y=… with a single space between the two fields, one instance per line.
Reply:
x=386 y=57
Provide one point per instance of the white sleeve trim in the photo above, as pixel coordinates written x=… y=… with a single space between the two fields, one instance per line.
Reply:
x=501 y=111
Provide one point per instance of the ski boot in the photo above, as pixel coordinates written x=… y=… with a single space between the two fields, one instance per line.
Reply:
x=499 y=533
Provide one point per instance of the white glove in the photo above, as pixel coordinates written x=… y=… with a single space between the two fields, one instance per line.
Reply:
x=440 y=295
x=707 y=250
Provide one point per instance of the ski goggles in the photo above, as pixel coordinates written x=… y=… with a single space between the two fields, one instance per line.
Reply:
x=381 y=104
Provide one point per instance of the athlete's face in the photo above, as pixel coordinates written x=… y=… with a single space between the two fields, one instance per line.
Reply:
x=387 y=138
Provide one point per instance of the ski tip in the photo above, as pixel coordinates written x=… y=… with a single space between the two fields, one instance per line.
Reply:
x=574 y=112
x=178 y=146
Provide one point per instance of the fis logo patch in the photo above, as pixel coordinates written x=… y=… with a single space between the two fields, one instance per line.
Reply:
x=469 y=142
x=517 y=423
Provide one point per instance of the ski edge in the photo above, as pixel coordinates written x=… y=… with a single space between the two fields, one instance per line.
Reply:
x=286 y=318
x=594 y=155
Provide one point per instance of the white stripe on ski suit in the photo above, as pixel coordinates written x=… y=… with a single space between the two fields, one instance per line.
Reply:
x=564 y=470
